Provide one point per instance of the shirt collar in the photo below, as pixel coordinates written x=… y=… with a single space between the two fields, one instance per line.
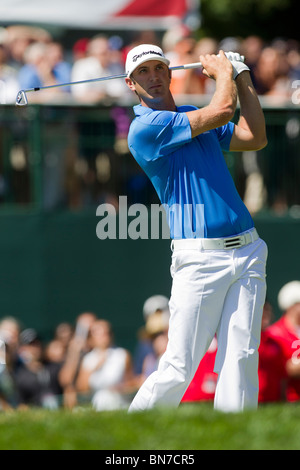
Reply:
x=139 y=110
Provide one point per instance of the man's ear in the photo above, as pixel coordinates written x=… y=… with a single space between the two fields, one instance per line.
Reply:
x=130 y=83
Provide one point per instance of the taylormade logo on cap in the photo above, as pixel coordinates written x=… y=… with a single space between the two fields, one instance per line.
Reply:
x=142 y=53
x=136 y=57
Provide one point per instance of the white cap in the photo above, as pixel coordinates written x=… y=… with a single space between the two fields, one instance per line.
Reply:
x=154 y=303
x=289 y=295
x=142 y=53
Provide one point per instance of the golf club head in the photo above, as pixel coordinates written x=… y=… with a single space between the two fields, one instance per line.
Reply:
x=21 y=99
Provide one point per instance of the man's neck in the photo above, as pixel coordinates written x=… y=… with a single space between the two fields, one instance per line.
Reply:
x=165 y=105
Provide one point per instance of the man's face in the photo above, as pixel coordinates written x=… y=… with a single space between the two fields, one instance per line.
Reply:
x=151 y=81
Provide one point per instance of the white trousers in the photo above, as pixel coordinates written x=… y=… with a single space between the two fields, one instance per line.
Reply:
x=213 y=292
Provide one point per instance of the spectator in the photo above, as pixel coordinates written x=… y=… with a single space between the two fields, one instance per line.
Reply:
x=9 y=85
x=44 y=67
x=272 y=74
x=36 y=382
x=9 y=397
x=293 y=57
x=9 y=338
x=206 y=45
x=63 y=333
x=105 y=369
x=79 y=50
x=230 y=44
x=286 y=333
x=185 y=81
x=55 y=352
x=2 y=355
x=252 y=48
x=169 y=41
x=142 y=37
x=78 y=346
x=19 y=38
x=61 y=69
x=152 y=305
x=2 y=371
x=271 y=368
x=157 y=326
x=97 y=64
x=10 y=329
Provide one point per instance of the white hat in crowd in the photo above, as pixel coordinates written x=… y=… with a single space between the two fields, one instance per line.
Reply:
x=289 y=295
x=142 y=53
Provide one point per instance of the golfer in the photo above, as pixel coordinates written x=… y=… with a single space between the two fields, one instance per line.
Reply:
x=218 y=259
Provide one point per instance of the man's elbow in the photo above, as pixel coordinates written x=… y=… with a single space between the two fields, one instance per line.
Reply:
x=258 y=140
x=261 y=143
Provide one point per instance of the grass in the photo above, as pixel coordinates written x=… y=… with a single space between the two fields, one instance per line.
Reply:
x=191 y=427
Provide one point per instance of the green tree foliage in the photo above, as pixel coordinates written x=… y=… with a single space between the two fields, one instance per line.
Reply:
x=267 y=18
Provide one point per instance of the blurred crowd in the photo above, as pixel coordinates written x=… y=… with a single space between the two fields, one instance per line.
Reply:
x=30 y=57
x=83 y=366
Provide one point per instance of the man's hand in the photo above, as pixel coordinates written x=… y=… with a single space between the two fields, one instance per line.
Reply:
x=215 y=66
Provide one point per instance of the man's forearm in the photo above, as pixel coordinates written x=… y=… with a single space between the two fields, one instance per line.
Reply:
x=225 y=94
x=251 y=115
x=219 y=111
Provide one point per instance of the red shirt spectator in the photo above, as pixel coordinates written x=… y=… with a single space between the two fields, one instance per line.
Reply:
x=286 y=332
x=271 y=370
x=282 y=333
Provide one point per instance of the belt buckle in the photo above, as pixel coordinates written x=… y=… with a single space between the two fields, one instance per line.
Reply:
x=234 y=242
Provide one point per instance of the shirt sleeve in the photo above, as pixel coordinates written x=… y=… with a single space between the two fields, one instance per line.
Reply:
x=224 y=135
x=159 y=134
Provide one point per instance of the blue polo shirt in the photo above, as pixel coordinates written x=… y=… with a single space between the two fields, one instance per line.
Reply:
x=189 y=174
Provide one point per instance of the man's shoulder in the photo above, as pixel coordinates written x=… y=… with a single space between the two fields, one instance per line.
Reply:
x=151 y=117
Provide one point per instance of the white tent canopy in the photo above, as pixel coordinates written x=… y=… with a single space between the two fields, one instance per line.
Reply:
x=104 y=14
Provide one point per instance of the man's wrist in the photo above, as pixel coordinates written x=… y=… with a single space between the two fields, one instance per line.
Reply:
x=239 y=67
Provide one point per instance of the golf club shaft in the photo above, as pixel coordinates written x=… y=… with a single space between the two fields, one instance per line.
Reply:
x=102 y=79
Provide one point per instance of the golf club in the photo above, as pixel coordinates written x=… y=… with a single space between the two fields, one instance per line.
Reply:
x=22 y=100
